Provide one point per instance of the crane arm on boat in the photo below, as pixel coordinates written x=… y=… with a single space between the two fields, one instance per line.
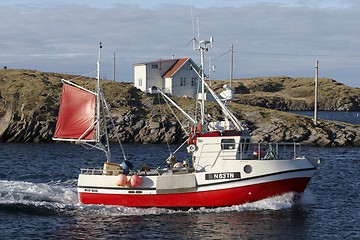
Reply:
x=225 y=110
x=177 y=106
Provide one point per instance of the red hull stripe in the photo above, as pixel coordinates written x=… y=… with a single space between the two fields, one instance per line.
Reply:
x=213 y=198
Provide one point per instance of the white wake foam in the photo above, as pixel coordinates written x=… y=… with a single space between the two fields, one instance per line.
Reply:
x=18 y=191
x=62 y=197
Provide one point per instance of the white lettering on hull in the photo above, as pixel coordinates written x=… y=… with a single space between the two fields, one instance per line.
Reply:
x=224 y=175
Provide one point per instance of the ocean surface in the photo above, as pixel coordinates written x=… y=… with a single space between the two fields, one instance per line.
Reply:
x=38 y=200
x=349 y=117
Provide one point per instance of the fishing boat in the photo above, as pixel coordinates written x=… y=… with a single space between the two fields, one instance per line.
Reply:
x=224 y=167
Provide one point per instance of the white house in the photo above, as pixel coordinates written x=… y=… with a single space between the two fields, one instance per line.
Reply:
x=174 y=76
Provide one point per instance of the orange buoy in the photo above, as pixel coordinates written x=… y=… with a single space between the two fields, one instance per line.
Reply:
x=135 y=180
x=122 y=180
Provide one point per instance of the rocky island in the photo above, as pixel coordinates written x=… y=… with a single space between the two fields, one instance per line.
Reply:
x=29 y=103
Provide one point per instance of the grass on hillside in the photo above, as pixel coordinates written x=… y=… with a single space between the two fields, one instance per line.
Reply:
x=37 y=91
x=289 y=90
x=30 y=90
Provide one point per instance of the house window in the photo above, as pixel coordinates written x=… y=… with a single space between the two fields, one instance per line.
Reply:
x=182 y=81
x=140 y=82
x=193 y=81
x=155 y=66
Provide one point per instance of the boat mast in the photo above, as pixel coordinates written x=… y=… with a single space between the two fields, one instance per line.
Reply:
x=99 y=105
x=203 y=48
x=202 y=86
x=98 y=97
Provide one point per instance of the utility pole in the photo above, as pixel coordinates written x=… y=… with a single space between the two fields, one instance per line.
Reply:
x=114 y=68
x=231 y=63
x=210 y=69
x=316 y=91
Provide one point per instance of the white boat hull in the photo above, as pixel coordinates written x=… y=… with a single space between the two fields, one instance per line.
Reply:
x=231 y=186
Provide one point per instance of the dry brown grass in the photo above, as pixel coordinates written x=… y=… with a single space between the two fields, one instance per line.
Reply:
x=286 y=89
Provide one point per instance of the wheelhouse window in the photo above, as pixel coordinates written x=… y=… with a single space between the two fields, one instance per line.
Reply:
x=247 y=145
x=244 y=145
x=227 y=144
x=155 y=66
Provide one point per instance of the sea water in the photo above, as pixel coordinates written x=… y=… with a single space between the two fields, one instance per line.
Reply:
x=349 y=117
x=38 y=200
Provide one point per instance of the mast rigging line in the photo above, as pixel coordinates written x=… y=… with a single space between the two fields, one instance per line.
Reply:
x=226 y=111
x=172 y=111
x=163 y=125
x=113 y=124
x=221 y=55
x=298 y=54
x=288 y=54
x=177 y=106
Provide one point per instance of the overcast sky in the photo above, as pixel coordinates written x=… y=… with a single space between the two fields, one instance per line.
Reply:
x=270 y=37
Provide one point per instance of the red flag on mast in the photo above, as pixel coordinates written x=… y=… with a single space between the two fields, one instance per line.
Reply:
x=76 y=114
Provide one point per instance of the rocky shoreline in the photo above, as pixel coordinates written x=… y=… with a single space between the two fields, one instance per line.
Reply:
x=139 y=119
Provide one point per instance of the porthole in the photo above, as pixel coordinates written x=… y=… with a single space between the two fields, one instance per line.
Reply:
x=248 y=169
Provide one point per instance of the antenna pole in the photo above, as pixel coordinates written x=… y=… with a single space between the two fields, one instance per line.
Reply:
x=114 y=68
x=198 y=30
x=98 y=96
x=202 y=47
x=316 y=92
x=210 y=69
x=193 y=25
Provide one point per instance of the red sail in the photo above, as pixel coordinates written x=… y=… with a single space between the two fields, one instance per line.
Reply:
x=76 y=114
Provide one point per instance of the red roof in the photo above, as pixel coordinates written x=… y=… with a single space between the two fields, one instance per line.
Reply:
x=179 y=63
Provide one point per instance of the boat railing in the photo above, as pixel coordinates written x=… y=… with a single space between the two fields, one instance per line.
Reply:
x=116 y=172
x=246 y=151
x=95 y=171
x=279 y=150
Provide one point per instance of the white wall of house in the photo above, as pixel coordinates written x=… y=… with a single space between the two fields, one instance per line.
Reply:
x=182 y=83
x=140 y=77
x=150 y=74
x=153 y=76
x=168 y=85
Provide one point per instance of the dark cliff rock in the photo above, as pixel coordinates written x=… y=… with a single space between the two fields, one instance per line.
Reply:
x=279 y=126
x=29 y=102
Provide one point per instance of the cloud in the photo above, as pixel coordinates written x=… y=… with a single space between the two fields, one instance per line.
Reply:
x=268 y=39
